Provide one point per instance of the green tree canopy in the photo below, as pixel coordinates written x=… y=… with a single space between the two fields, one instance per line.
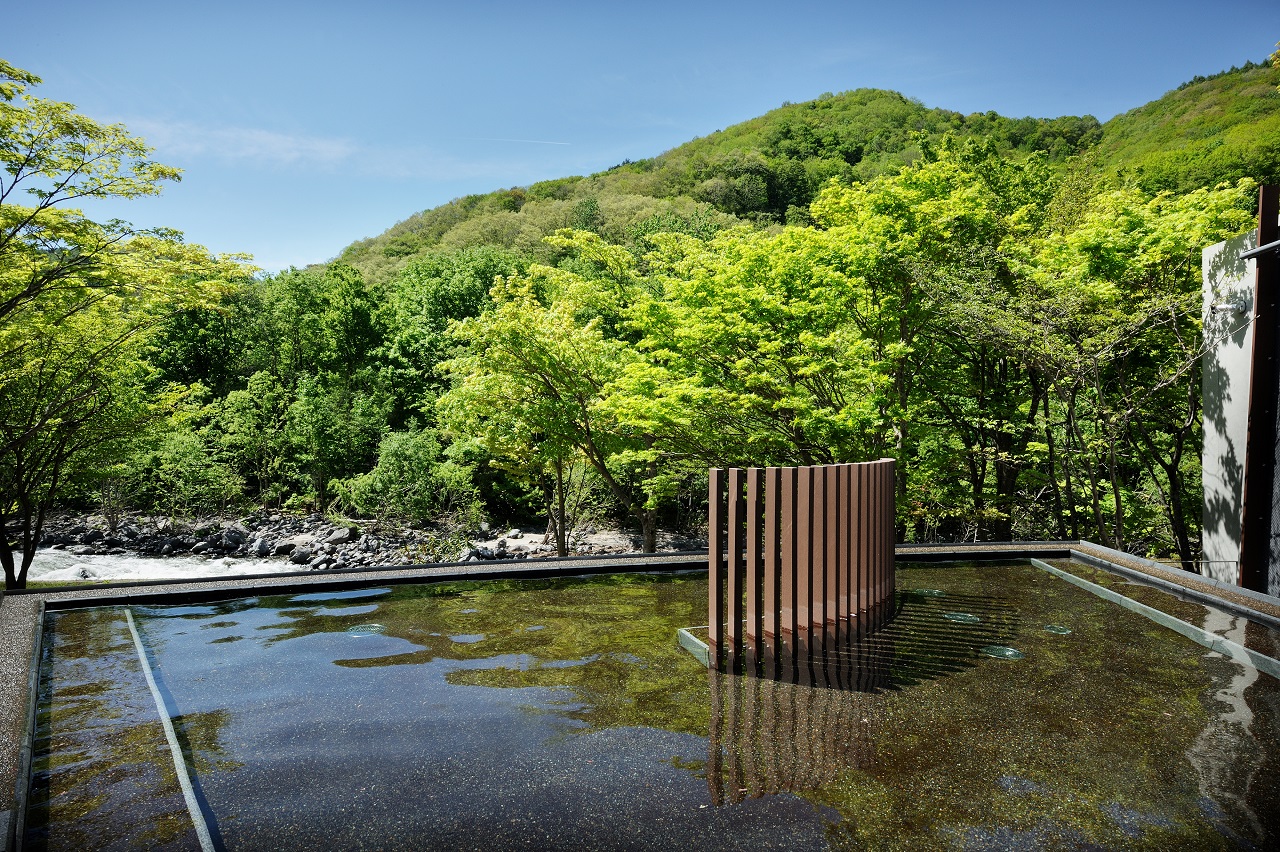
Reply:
x=77 y=298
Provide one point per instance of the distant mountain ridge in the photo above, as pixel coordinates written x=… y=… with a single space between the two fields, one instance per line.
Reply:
x=766 y=170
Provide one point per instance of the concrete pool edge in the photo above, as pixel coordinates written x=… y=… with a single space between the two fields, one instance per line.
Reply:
x=1199 y=635
x=21 y=632
x=21 y=616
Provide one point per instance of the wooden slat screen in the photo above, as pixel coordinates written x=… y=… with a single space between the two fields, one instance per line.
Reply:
x=801 y=565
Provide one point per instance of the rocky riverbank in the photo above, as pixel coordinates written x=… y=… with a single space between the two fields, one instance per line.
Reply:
x=315 y=542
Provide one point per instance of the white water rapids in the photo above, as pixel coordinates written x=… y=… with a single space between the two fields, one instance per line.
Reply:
x=60 y=566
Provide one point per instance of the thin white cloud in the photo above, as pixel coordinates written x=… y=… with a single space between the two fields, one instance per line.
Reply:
x=183 y=139
x=177 y=142
x=521 y=141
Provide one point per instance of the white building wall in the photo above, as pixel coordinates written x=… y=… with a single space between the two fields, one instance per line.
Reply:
x=1228 y=335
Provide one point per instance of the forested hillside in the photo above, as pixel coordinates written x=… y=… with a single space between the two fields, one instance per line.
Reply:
x=768 y=170
x=1224 y=127
x=765 y=172
x=1008 y=307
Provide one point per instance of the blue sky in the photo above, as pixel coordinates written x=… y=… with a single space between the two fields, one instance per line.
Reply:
x=302 y=127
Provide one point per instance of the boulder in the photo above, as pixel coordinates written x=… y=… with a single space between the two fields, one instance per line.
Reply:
x=234 y=537
x=260 y=548
x=300 y=556
x=341 y=535
x=283 y=548
x=200 y=547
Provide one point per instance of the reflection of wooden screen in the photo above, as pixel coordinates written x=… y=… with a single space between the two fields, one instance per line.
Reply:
x=768 y=737
x=800 y=560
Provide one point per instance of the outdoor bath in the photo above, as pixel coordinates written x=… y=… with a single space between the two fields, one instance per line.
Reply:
x=562 y=713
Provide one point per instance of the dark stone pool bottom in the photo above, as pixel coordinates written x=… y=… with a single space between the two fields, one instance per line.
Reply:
x=561 y=714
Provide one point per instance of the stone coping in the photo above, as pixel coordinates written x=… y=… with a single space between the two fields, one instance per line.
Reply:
x=22 y=612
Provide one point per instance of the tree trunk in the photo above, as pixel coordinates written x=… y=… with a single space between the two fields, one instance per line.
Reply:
x=1059 y=521
x=1094 y=491
x=1174 y=489
x=1070 y=425
x=31 y=522
x=562 y=544
x=649 y=530
x=6 y=557
x=1118 y=522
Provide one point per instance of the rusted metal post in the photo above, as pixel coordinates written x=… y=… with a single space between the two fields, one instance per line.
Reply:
x=876 y=522
x=831 y=561
x=801 y=568
x=849 y=589
x=860 y=554
x=888 y=536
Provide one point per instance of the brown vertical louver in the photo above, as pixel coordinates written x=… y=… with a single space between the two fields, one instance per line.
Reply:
x=737 y=539
x=801 y=569
x=716 y=529
x=754 y=586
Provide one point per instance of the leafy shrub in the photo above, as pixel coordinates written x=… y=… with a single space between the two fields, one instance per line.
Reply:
x=179 y=477
x=413 y=482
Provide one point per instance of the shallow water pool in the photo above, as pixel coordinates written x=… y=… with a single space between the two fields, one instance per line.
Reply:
x=563 y=715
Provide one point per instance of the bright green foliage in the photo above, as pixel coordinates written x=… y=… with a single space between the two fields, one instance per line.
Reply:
x=205 y=345
x=1222 y=128
x=1050 y=361
x=750 y=357
x=535 y=378
x=304 y=322
x=413 y=482
x=54 y=262
x=935 y=252
x=517 y=221
x=181 y=477
x=762 y=167
x=65 y=406
x=77 y=301
x=55 y=156
x=1118 y=310
x=335 y=428
x=314 y=367
x=424 y=299
x=250 y=425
